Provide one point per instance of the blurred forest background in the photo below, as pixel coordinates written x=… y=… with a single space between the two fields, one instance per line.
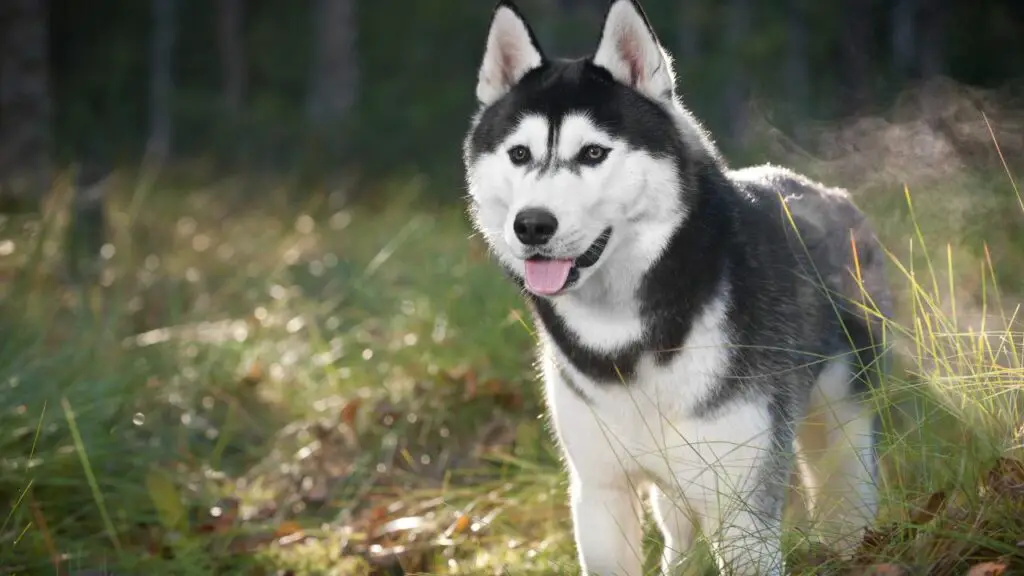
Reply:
x=384 y=86
x=245 y=327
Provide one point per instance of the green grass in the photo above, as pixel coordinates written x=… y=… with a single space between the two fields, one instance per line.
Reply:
x=256 y=384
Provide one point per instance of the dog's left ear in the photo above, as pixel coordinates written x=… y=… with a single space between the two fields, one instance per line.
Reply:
x=630 y=50
x=511 y=52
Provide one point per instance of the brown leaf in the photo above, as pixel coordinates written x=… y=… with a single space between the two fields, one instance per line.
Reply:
x=254 y=375
x=926 y=513
x=287 y=528
x=461 y=524
x=875 y=539
x=987 y=569
x=350 y=411
x=1006 y=478
x=375 y=518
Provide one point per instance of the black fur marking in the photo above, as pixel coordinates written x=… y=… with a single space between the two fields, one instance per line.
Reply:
x=593 y=252
x=619 y=366
x=569 y=381
x=559 y=88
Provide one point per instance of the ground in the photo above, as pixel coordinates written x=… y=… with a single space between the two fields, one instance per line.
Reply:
x=267 y=380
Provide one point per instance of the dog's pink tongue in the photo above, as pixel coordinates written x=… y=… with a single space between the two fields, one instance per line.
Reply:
x=547 y=276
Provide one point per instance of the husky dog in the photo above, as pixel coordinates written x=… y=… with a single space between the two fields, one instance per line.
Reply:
x=702 y=329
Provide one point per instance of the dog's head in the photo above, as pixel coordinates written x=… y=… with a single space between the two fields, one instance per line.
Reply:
x=576 y=166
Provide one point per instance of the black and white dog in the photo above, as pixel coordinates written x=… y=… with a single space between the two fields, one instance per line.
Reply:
x=702 y=329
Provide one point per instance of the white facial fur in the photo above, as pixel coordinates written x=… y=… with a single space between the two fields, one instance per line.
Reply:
x=633 y=192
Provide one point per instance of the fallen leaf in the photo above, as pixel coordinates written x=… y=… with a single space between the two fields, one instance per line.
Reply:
x=350 y=411
x=254 y=375
x=987 y=569
x=873 y=541
x=926 y=513
x=287 y=528
x=1006 y=478
x=461 y=524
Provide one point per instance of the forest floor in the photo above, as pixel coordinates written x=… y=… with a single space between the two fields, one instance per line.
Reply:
x=258 y=384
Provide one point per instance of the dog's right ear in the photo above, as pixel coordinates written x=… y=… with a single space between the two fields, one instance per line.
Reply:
x=511 y=52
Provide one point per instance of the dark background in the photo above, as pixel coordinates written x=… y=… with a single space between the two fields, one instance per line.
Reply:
x=377 y=87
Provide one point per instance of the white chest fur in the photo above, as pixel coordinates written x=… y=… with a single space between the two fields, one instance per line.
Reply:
x=647 y=426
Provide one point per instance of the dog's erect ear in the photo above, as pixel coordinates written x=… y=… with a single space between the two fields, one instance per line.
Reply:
x=630 y=50
x=511 y=52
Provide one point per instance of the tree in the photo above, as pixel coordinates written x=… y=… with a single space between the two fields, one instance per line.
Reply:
x=738 y=86
x=232 y=54
x=334 y=81
x=904 y=36
x=797 y=76
x=25 y=107
x=161 y=79
x=933 y=23
x=855 y=54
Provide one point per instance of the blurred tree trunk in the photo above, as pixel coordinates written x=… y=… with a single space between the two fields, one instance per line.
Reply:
x=334 y=82
x=856 y=55
x=933 y=28
x=232 y=54
x=25 y=106
x=161 y=79
x=797 y=75
x=738 y=86
x=904 y=37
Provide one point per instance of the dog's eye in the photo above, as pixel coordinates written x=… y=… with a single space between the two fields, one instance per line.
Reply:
x=592 y=155
x=519 y=155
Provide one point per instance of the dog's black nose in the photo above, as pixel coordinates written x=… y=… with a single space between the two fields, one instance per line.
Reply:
x=534 y=226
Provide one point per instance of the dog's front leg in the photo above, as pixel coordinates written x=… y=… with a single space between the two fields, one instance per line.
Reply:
x=605 y=502
x=743 y=489
x=607 y=522
x=748 y=543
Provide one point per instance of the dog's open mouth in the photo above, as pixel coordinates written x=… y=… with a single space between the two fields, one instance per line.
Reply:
x=549 y=276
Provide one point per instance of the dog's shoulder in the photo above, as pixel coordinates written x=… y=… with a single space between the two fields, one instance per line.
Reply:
x=821 y=221
x=808 y=201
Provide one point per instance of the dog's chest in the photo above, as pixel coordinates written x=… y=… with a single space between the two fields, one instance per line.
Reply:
x=655 y=413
